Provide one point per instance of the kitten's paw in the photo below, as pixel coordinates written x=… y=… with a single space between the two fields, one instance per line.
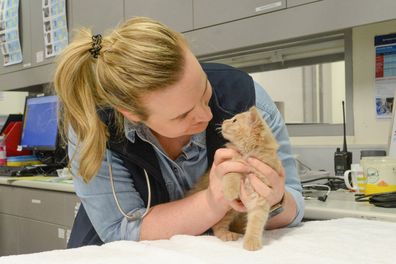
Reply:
x=231 y=192
x=252 y=244
x=228 y=236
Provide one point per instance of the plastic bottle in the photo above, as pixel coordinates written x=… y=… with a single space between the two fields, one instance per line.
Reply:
x=3 y=155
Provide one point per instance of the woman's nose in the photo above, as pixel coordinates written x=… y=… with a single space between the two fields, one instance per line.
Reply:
x=204 y=114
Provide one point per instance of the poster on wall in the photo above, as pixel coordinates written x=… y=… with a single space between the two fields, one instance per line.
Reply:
x=385 y=74
x=9 y=32
x=54 y=26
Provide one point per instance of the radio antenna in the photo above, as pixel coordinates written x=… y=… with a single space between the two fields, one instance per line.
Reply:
x=342 y=159
x=345 y=149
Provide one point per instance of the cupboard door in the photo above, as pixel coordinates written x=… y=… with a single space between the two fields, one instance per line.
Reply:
x=9 y=233
x=36 y=236
x=48 y=206
x=100 y=15
x=177 y=14
x=209 y=12
x=9 y=202
x=291 y=3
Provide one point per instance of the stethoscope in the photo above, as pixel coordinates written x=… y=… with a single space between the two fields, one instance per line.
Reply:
x=134 y=216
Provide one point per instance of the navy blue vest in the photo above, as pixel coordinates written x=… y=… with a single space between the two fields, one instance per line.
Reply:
x=233 y=92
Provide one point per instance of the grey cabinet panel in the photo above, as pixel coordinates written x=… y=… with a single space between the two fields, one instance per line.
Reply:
x=26 y=74
x=71 y=205
x=46 y=206
x=291 y=3
x=36 y=236
x=24 y=38
x=286 y=24
x=8 y=200
x=33 y=220
x=9 y=232
x=100 y=15
x=209 y=12
x=27 y=77
x=177 y=14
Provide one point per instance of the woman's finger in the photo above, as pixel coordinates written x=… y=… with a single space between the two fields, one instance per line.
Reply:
x=259 y=186
x=265 y=170
x=231 y=166
x=223 y=154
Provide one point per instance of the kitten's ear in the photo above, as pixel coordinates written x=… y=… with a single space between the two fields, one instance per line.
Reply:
x=254 y=114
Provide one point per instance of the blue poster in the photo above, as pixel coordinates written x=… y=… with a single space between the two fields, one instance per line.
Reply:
x=54 y=26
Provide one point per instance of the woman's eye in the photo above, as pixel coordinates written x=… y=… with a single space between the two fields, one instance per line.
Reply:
x=183 y=117
x=233 y=121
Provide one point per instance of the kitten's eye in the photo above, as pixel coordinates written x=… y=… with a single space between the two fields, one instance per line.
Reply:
x=233 y=121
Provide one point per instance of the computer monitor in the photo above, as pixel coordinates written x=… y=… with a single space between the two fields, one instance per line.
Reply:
x=40 y=124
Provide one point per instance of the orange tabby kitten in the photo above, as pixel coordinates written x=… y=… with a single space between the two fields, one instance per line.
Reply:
x=249 y=134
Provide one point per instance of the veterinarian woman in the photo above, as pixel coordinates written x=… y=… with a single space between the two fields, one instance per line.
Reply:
x=141 y=115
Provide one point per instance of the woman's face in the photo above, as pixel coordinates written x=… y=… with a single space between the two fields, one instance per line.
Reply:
x=181 y=109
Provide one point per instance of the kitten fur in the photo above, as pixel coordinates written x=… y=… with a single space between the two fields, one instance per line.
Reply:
x=249 y=134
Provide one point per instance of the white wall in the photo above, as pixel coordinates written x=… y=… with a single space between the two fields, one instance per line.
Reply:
x=275 y=84
x=368 y=129
x=337 y=95
x=12 y=102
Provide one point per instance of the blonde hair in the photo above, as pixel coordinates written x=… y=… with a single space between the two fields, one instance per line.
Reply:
x=138 y=57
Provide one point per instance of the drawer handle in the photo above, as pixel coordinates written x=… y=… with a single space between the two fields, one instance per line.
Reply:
x=36 y=201
x=269 y=6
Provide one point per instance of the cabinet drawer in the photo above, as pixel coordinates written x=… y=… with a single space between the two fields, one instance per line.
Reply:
x=8 y=200
x=48 y=206
x=9 y=233
x=209 y=12
x=36 y=236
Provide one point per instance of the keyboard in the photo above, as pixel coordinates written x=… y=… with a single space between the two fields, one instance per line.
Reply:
x=10 y=170
x=33 y=170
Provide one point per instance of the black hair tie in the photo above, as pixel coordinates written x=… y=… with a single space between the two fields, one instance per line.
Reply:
x=96 y=41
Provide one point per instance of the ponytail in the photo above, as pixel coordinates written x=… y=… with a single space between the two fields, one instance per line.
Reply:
x=75 y=83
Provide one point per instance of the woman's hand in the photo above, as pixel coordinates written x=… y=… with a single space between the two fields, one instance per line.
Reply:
x=223 y=163
x=274 y=188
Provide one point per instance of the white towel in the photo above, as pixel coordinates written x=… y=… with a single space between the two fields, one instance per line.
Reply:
x=336 y=241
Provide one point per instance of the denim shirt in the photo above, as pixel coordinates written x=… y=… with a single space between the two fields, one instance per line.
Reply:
x=179 y=175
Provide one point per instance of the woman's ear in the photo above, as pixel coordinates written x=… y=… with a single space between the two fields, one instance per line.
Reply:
x=128 y=115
